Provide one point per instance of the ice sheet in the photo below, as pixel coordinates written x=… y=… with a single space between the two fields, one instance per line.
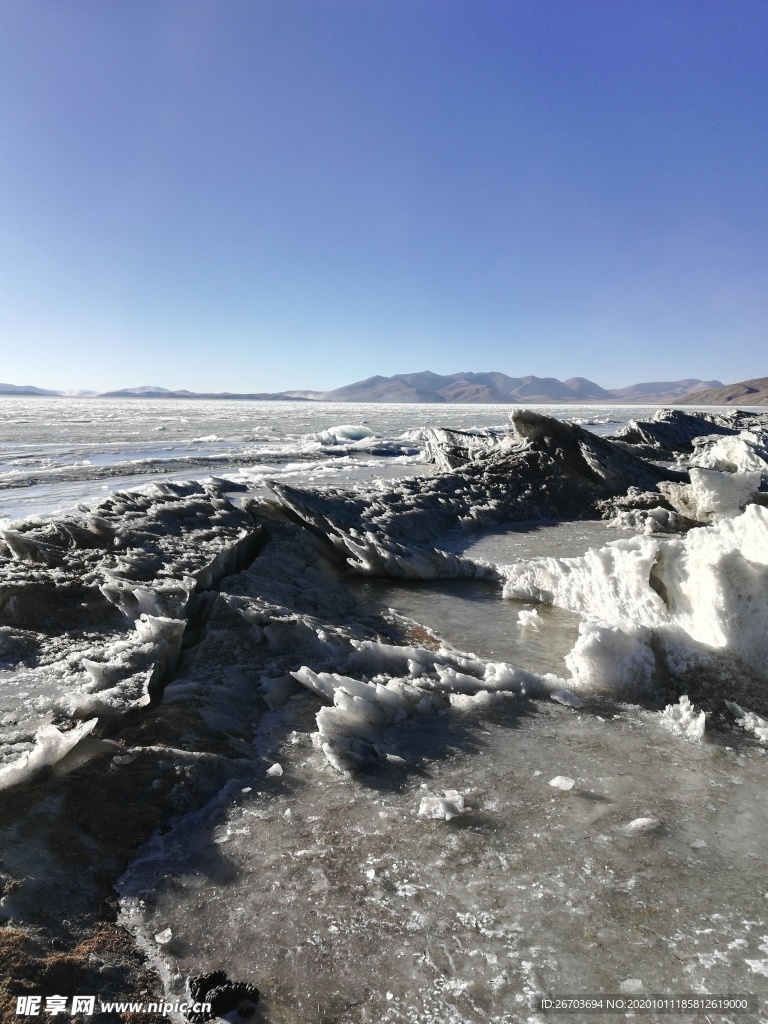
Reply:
x=340 y=899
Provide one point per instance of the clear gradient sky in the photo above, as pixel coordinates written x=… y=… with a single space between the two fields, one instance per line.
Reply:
x=251 y=195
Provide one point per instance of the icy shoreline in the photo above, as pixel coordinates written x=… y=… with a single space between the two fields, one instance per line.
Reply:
x=264 y=657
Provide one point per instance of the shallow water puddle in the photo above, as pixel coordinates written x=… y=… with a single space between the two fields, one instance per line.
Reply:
x=472 y=616
x=534 y=540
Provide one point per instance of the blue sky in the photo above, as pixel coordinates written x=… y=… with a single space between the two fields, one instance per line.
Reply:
x=252 y=195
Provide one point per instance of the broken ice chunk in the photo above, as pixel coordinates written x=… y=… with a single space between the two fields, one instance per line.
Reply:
x=631 y=986
x=529 y=618
x=447 y=806
x=749 y=720
x=320 y=882
x=124 y=758
x=641 y=825
x=562 y=782
x=682 y=720
x=567 y=698
x=275 y=770
x=164 y=937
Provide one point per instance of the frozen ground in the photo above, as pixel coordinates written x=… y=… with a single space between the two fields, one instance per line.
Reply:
x=422 y=752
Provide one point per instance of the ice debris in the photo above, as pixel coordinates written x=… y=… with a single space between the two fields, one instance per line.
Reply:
x=108 y=592
x=544 y=469
x=673 y=430
x=682 y=720
x=711 y=494
x=651 y=520
x=567 y=698
x=641 y=825
x=632 y=986
x=745 y=453
x=562 y=782
x=749 y=720
x=529 y=618
x=447 y=806
x=651 y=604
x=402 y=682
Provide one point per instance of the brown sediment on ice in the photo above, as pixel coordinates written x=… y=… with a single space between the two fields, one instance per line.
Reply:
x=105 y=963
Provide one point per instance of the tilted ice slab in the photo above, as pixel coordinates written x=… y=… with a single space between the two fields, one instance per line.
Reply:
x=449 y=449
x=544 y=470
x=406 y=682
x=94 y=605
x=673 y=430
x=51 y=745
x=641 y=597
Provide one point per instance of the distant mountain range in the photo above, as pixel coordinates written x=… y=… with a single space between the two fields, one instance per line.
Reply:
x=498 y=387
x=748 y=392
x=473 y=388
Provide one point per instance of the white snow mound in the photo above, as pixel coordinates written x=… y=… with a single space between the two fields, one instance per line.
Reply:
x=709 y=588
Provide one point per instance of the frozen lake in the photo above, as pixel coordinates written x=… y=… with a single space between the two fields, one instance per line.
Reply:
x=56 y=452
x=420 y=811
